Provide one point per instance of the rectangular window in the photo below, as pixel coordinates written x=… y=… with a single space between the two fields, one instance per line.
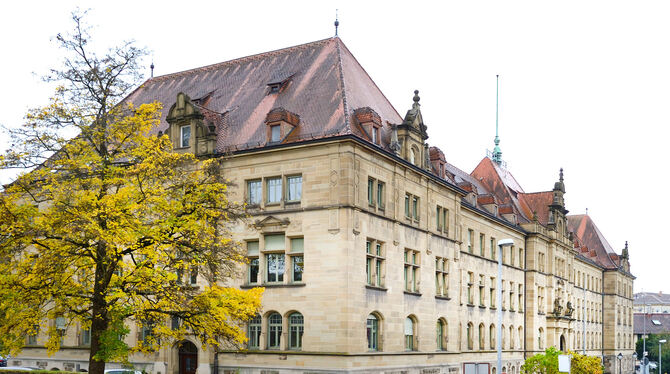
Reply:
x=273 y=190
x=511 y=296
x=520 y=296
x=254 y=192
x=85 y=337
x=275 y=133
x=380 y=194
x=438 y=218
x=275 y=262
x=297 y=259
x=411 y=273
x=492 y=292
x=471 y=238
x=407 y=213
x=481 y=290
x=371 y=192
x=374 y=262
x=471 y=280
x=32 y=338
x=494 y=256
x=252 y=255
x=415 y=208
x=185 y=136
x=441 y=277
x=193 y=279
x=294 y=188
x=481 y=245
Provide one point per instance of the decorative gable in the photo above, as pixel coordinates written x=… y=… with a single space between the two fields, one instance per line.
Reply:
x=412 y=135
x=189 y=129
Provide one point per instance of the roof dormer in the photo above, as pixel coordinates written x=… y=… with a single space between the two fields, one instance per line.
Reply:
x=438 y=161
x=280 y=122
x=370 y=122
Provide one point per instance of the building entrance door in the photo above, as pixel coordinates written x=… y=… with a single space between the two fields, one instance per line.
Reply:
x=563 y=347
x=188 y=358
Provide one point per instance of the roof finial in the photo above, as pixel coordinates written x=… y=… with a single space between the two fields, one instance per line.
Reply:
x=497 y=153
x=587 y=211
x=416 y=99
x=337 y=22
x=152 y=69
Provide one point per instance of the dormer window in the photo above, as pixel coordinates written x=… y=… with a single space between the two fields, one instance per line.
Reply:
x=375 y=135
x=274 y=88
x=412 y=156
x=185 y=136
x=275 y=133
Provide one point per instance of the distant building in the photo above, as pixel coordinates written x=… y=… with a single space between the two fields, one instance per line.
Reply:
x=376 y=253
x=651 y=302
x=650 y=324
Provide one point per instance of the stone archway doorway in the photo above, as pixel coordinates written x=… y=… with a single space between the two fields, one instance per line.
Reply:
x=563 y=347
x=188 y=358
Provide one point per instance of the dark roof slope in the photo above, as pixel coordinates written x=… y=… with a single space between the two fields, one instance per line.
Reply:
x=655 y=298
x=321 y=82
x=647 y=323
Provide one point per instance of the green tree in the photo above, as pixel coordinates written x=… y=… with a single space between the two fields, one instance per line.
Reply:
x=105 y=225
x=652 y=349
x=547 y=363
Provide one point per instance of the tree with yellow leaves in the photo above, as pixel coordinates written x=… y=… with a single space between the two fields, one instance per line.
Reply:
x=108 y=226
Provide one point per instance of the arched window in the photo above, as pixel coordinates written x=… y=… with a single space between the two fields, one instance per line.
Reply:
x=254 y=333
x=492 y=336
x=511 y=337
x=469 y=333
x=540 y=338
x=296 y=327
x=412 y=156
x=521 y=337
x=441 y=335
x=274 y=331
x=482 y=339
x=502 y=334
x=410 y=334
x=372 y=329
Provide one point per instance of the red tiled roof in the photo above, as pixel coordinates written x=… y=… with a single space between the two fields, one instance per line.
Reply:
x=502 y=184
x=537 y=203
x=583 y=227
x=322 y=84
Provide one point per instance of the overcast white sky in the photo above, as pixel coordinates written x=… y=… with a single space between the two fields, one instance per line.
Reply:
x=585 y=85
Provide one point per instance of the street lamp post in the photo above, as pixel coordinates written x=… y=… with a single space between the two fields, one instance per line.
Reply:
x=501 y=244
x=659 y=355
x=644 y=339
x=619 y=357
x=634 y=360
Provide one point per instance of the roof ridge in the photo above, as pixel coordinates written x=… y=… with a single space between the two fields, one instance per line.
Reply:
x=238 y=60
x=533 y=193
x=345 y=107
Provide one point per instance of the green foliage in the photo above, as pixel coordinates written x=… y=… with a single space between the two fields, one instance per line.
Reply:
x=105 y=226
x=547 y=363
x=652 y=348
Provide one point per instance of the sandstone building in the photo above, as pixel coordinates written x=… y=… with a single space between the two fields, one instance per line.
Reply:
x=377 y=254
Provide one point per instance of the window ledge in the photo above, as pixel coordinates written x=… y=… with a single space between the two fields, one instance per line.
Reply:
x=492 y=308
x=293 y=202
x=411 y=293
x=470 y=305
x=442 y=297
x=377 y=288
x=267 y=204
x=482 y=307
x=273 y=285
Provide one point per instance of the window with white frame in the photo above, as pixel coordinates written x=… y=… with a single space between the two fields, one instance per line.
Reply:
x=297 y=259
x=274 y=258
x=374 y=263
x=411 y=275
x=274 y=189
x=254 y=264
x=254 y=192
x=441 y=276
x=184 y=136
x=293 y=188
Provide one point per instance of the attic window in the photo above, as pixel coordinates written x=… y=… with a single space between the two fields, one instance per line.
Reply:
x=656 y=322
x=185 y=135
x=375 y=135
x=274 y=133
x=274 y=88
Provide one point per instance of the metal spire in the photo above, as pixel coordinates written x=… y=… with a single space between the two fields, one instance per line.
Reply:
x=152 y=65
x=497 y=153
x=337 y=23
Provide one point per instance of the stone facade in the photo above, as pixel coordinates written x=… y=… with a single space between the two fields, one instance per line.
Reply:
x=378 y=256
